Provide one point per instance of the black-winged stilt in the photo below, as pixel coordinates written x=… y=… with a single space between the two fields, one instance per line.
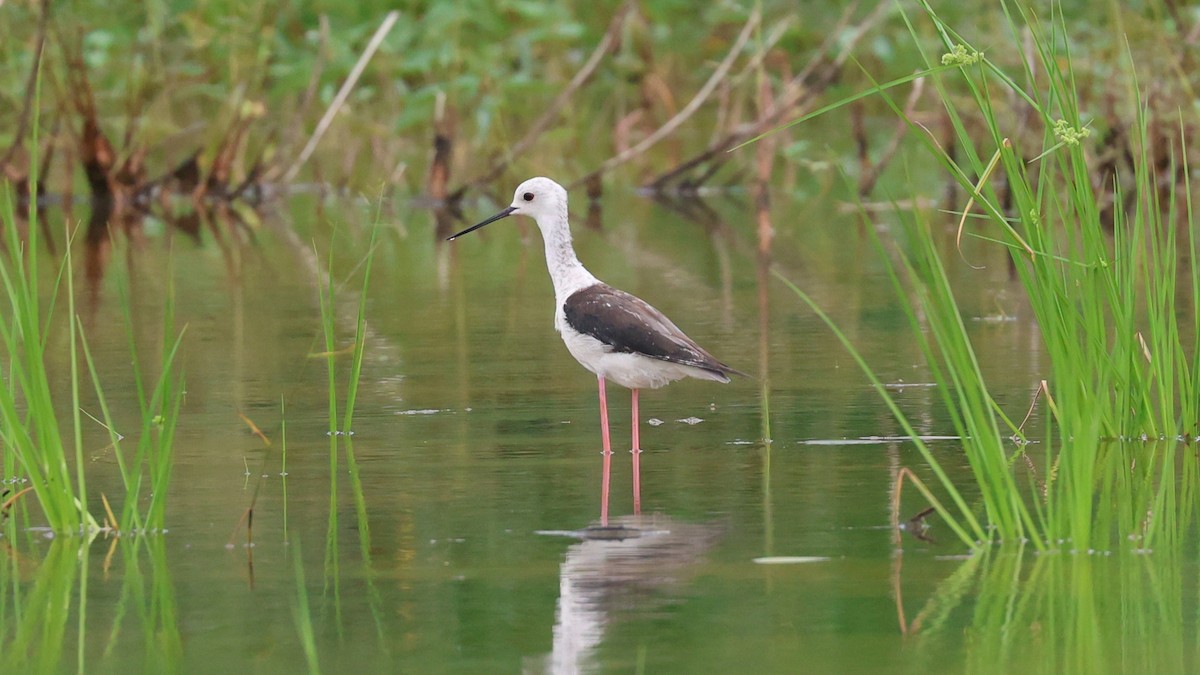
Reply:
x=615 y=335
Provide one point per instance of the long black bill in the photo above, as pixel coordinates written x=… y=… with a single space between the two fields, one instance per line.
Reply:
x=503 y=214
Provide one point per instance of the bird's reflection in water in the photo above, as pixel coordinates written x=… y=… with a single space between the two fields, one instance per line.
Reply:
x=631 y=567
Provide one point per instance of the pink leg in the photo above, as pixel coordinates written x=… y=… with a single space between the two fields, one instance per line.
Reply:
x=637 y=453
x=607 y=454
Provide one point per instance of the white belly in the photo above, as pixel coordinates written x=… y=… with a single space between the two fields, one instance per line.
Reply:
x=632 y=371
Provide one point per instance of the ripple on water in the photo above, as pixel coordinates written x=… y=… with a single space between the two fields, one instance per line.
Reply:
x=876 y=440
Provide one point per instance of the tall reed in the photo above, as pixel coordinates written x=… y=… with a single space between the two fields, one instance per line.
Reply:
x=159 y=411
x=1116 y=312
x=342 y=431
x=29 y=418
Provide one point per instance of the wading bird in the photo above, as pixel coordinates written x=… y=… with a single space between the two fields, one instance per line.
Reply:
x=615 y=335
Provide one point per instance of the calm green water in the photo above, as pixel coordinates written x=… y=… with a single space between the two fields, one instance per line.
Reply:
x=443 y=546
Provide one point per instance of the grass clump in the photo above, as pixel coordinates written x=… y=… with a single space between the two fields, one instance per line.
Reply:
x=30 y=434
x=1117 y=312
x=340 y=307
x=44 y=460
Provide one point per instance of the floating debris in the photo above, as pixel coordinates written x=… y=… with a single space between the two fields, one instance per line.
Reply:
x=917 y=527
x=902 y=385
x=791 y=559
x=691 y=420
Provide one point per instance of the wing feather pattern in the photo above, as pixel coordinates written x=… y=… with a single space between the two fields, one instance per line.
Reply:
x=628 y=324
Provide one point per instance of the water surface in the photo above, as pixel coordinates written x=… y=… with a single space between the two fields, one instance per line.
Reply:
x=448 y=533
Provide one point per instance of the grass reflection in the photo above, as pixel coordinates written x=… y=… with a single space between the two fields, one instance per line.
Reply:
x=303 y=613
x=1118 y=612
x=34 y=631
x=44 y=614
x=327 y=613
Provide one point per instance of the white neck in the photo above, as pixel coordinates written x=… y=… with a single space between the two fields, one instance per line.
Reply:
x=567 y=273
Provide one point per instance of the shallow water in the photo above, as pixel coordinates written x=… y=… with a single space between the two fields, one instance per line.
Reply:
x=457 y=538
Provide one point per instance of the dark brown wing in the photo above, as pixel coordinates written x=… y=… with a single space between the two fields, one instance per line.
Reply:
x=628 y=324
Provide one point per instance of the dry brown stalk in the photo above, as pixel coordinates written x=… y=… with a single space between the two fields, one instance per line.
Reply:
x=443 y=142
x=8 y=503
x=795 y=97
x=95 y=151
x=291 y=135
x=340 y=98
x=30 y=87
x=254 y=429
x=688 y=110
x=110 y=518
x=870 y=176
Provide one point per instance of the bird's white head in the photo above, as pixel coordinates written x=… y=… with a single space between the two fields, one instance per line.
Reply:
x=539 y=198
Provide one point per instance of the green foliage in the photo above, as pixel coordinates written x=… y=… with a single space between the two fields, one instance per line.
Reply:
x=171 y=77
